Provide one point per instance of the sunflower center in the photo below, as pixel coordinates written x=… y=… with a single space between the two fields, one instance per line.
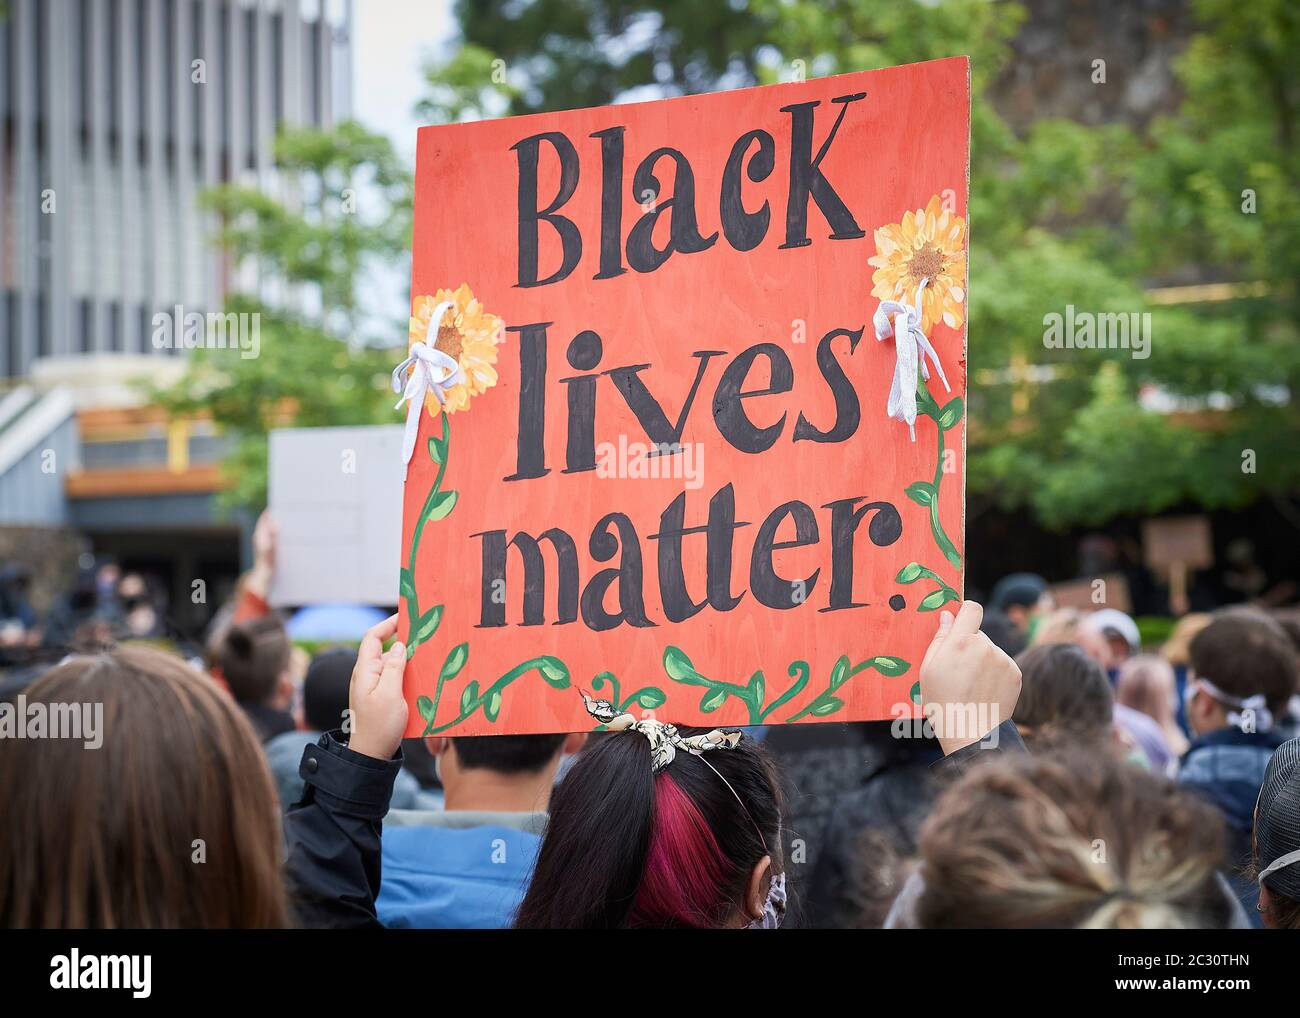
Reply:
x=448 y=341
x=927 y=263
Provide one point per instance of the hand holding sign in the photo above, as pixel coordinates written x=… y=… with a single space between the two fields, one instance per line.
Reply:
x=964 y=676
x=375 y=696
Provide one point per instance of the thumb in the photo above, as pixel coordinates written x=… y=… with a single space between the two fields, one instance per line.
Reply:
x=945 y=624
x=393 y=667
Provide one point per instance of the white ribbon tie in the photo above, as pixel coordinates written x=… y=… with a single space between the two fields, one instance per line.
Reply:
x=431 y=370
x=911 y=348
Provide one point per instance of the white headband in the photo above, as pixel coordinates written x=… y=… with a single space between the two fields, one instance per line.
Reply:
x=1257 y=705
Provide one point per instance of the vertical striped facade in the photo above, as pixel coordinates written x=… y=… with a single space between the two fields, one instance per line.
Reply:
x=114 y=116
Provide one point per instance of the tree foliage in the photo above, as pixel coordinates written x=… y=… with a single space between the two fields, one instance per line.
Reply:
x=342 y=207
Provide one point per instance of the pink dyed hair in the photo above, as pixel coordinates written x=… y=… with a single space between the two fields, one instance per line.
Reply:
x=687 y=880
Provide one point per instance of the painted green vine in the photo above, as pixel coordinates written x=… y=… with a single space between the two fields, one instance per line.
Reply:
x=752 y=694
x=936 y=598
x=438 y=505
x=926 y=493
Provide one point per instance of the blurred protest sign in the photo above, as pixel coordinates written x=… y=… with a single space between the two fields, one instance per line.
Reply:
x=1174 y=546
x=1094 y=593
x=675 y=452
x=1177 y=540
x=331 y=491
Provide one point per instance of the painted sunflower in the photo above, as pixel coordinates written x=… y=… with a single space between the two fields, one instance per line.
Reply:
x=469 y=334
x=928 y=244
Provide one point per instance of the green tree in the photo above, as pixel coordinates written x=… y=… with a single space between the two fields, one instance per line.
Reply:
x=324 y=357
x=1063 y=213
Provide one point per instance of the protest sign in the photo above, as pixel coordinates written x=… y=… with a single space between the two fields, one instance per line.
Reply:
x=670 y=443
x=336 y=540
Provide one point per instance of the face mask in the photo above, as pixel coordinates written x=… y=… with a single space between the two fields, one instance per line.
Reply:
x=773 y=906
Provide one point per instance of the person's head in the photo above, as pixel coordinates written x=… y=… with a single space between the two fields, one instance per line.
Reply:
x=1021 y=597
x=171 y=822
x=252 y=659
x=513 y=773
x=1065 y=698
x=1277 y=839
x=1119 y=633
x=1146 y=683
x=1289 y=620
x=325 y=688
x=1242 y=672
x=696 y=845
x=1079 y=840
x=131 y=588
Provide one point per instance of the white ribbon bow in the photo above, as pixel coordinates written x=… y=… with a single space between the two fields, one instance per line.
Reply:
x=424 y=359
x=910 y=347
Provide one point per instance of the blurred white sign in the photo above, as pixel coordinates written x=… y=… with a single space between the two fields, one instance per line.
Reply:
x=336 y=494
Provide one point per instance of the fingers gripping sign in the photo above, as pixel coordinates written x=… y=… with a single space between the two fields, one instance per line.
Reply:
x=378 y=707
x=968 y=685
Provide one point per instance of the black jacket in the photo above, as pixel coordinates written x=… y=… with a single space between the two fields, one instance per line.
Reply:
x=332 y=835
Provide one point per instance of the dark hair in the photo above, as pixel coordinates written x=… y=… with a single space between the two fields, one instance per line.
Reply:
x=1019 y=590
x=1067 y=841
x=325 y=688
x=105 y=837
x=627 y=848
x=507 y=754
x=251 y=655
x=1245 y=653
x=1065 y=696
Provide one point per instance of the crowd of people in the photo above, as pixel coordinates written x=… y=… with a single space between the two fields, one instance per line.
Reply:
x=248 y=784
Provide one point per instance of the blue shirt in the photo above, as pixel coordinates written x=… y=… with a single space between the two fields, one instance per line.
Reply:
x=441 y=877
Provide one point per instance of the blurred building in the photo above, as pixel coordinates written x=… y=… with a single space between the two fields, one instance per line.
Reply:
x=115 y=115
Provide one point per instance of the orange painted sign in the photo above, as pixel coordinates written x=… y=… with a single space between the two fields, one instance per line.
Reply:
x=671 y=360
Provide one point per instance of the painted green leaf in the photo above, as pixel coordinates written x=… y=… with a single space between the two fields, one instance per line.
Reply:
x=915 y=692
x=925 y=403
x=554 y=671
x=757 y=686
x=492 y=705
x=435 y=450
x=443 y=503
x=950 y=414
x=887 y=665
x=910 y=573
x=468 y=697
x=425 y=706
x=828 y=706
x=712 y=700
x=429 y=623
x=405 y=583
x=933 y=600
x=455 y=660
x=678 y=665
x=839 y=672
x=921 y=492
x=650 y=697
